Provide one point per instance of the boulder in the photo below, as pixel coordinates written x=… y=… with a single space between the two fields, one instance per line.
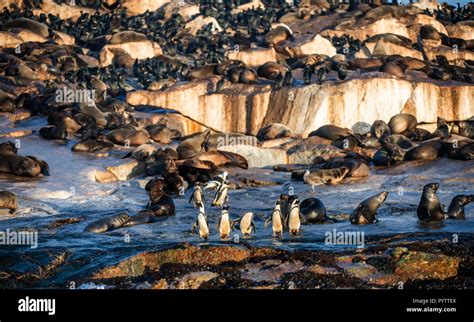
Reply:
x=138 y=7
x=253 y=57
x=137 y=50
x=9 y=39
x=387 y=48
x=460 y=30
x=307 y=45
x=65 y=11
x=199 y=22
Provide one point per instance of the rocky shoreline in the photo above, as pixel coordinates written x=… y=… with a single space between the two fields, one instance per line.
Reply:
x=407 y=261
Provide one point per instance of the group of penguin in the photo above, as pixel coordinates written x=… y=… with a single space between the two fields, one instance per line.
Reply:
x=289 y=213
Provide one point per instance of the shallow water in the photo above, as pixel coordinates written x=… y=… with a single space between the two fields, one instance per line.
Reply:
x=71 y=192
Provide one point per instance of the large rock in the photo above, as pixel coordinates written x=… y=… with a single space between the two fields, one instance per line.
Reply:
x=451 y=54
x=387 y=48
x=135 y=7
x=253 y=57
x=199 y=22
x=461 y=30
x=65 y=11
x=304 y=45
x=184 y=9
x=385 y=26
x=137 y=50
x=9 y=39
x=372 y=96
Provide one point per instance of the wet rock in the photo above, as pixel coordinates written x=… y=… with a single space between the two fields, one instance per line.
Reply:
x=189 y=255
x=269 y=270
x=64 y=11
x=194 y=280
x=14 y=133
x=421 y=265
x=127 y=170
x=62 y=222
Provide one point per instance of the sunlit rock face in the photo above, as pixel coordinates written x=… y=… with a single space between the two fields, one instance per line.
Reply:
x=138 y=7
x=68 y=10
x=253 y=57
x=137 y=50
x=246 y=108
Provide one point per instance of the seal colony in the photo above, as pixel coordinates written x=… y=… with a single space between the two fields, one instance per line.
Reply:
x=106 y=56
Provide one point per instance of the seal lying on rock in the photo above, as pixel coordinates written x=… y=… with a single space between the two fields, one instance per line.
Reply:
x=367 y=210
x=325 y=176
x=8 y=201
x=273 y=131
x=402 y=123
x=25 y=166
x=92 y=146
x=330 y=132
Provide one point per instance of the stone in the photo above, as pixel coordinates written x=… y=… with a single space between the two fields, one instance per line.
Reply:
x=137 y=50
x=138 y=7
x=460 y=30
x=9 y=39
x=387 y=48
x=253 y=57
x=194 y=280
x=197 y=23
x=421 y=265
x=308 y=45
x=269 y=270
x=65 y=11
x=127 y=170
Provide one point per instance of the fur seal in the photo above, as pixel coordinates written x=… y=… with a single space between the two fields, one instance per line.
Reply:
x=429 y=208
x=325 y=176
x=162 y=134
x=28 y=24
x=330 y=132
x=402 y=123
x=400 y=140
x=366 y=211
x=224 y=226
x=456 y=207
x=466 y=129
x=273 y=131
x=314 y=210
x=271 y=70
x=393 y=68
x=53 y=133
x=8 y=201
x=24 y=166
x=92 y=145
x=277 y=220
x=242 y=75
x=126 y=36
x=380 y=129
x=419 y=134
x=108 y=224
x=278 y=35
x=128 y=136
x=427 y=151
x=192 y=146
x=442 y=130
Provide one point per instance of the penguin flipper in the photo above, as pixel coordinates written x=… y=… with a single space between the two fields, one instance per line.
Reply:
x=267 y=222
x=254 y=227
x=193 y=228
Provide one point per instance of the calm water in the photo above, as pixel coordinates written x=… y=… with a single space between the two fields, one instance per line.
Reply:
x=71 y=192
